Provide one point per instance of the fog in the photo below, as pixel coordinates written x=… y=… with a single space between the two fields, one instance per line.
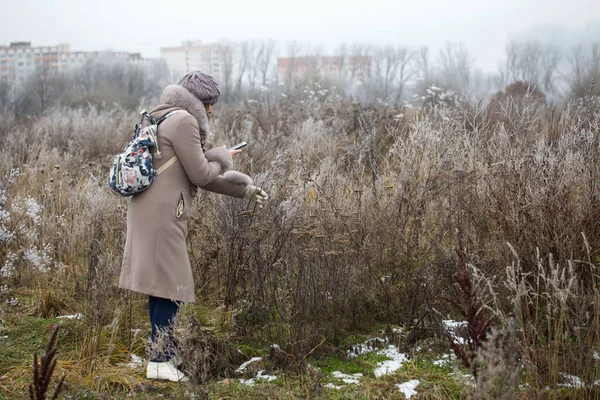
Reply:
x=145 y=26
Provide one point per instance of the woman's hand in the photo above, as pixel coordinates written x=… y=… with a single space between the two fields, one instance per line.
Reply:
x=234 y=152
x=256 y=195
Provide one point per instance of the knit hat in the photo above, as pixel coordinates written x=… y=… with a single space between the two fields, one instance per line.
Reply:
x=204 y=87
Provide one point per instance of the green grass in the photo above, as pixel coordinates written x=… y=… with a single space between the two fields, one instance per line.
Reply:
x=363 y=363
x=25 y=337
x=29 y=334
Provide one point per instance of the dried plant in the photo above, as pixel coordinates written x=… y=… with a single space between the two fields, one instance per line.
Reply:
x=500 y=364
x=42 y=371
x=472 y=308
x=204 y=355
x=364 y=200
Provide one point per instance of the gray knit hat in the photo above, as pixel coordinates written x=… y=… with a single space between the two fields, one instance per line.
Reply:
x=204 y=87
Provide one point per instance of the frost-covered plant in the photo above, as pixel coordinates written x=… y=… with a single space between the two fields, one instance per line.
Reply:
x=338 y=248
x=8 y=268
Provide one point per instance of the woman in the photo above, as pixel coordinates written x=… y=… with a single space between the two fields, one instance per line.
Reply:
x=155 y=261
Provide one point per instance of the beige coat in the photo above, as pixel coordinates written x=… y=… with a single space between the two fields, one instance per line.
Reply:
x=155 y=260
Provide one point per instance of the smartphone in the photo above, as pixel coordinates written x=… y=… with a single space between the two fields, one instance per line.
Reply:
x=239 y=146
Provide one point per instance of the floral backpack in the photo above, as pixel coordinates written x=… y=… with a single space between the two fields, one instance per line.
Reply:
x=131 y=170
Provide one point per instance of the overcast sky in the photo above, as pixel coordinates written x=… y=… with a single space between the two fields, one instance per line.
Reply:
x=146 y=25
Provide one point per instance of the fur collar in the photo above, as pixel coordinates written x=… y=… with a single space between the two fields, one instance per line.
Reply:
x=179 y=96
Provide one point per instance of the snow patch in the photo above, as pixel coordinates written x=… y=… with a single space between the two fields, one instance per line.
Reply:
x=445 y=360
x=452 y=326
x=571 y=381
x=347 y=378
x=389 y=366
x=332 y=386
x=243 y=367
x=74 y=316
x=259 y=376
x=136 y=361
x=370 y=345
x=408 y=388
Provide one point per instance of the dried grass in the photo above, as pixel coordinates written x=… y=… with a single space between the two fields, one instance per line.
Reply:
x=360 y=228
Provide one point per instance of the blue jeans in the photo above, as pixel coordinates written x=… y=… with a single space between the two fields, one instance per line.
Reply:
x=162 y=314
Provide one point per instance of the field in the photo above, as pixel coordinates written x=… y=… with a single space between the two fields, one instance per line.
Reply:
x=462 y=232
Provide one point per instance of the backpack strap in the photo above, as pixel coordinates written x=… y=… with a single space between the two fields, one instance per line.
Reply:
x=171 y=160
x=145 y=114
x=166 y=165
x=161 y=119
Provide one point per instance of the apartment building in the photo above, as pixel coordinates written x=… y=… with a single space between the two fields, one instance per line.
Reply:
x=354 y=68
x=196 y=56
x=20 y=59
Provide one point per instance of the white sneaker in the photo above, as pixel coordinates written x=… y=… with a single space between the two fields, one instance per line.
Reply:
x=165 y=371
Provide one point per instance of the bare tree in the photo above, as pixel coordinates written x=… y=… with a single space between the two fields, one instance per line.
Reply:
x=268 y=52
x=386 y=65
x=533 y=62
x=359 y=50
x=257 y=48
x=242 y=58
x=42 y=87
x=37 y=94
x=224 y=51
x=313 y=63
x=584 y=66
x=294 y=50
x=578 y=60
x=422 y=64
x=6 y=96
x=391 y=71
x=341 y=54
x=405 y=72
x=456 y=66
x=551 y=58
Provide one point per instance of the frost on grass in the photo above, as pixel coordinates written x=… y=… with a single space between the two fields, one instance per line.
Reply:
x=9 y=266
x=13 y=302
x=39 y=259
x=408 y=388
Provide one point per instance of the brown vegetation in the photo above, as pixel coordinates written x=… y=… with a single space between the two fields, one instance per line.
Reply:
x=359 y=231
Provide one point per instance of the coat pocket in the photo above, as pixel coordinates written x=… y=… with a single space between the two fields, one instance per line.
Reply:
x=180 y=206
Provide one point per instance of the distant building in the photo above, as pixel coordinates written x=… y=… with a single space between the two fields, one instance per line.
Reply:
x=295 y=68
x=355 y=68
x=20 y=59
x=196 y=56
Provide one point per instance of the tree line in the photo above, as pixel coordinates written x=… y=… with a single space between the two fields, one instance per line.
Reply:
x=396 y=74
